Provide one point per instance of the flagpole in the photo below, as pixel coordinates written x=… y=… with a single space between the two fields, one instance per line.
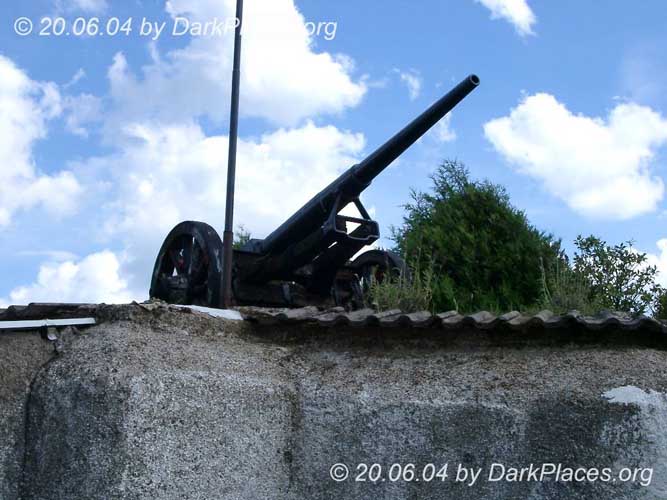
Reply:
x=228 y=235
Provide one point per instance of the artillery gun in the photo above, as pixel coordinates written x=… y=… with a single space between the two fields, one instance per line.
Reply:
x=306 y=260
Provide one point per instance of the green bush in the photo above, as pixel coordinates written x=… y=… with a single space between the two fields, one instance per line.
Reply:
x=618 y=276
x=566 y=290
x=660 y=305
x=484 y=253
x=241 y=237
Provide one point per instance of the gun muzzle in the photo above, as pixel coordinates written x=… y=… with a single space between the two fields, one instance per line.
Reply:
x=382 y=157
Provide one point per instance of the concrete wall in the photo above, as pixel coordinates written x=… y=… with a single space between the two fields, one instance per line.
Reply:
x=21 y=358
x=169 y=405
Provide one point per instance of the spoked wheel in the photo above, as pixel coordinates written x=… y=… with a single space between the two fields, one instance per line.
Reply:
x=188 y=269
x=377 y=265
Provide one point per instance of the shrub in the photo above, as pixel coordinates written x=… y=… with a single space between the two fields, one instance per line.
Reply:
x=484 y=253
x=618 y=276
x=241 y=237
x=660 y=305
x=566 y=290
x=410 y=293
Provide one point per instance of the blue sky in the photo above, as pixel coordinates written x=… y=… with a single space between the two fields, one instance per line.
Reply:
x=110 y=140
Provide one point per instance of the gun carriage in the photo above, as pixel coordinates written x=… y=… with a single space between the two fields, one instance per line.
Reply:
x=309 y=258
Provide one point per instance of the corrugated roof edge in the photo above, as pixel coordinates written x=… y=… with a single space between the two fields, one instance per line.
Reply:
x=312 y=315
x=482 y=320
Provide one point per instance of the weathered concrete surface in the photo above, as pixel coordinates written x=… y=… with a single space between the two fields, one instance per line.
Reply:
x=149 y=409
x=513 y=407
x=170 y=405
x=21 y=357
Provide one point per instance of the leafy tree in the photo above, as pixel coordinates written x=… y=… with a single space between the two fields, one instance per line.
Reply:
x=486 y=254
x=241 y=237
x=660 y=304
x=618 y=276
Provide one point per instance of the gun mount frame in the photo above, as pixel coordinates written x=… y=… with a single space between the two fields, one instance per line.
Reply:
x=306 y=260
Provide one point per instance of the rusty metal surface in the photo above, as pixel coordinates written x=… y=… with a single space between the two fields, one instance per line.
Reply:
x=482 y=320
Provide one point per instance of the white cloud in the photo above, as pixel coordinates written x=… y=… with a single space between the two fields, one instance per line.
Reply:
x=517 y=12
x=26 y=107
x=442 y=131
x=599 y=167
x=76 y=78
x=413 y=82
x=283 y=78
x=95 y=278
x=89 y=6
x=174 y=173
x=80 y=111
x=659 y=260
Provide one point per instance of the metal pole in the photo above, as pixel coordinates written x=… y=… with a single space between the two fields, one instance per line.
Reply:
x=228 y=235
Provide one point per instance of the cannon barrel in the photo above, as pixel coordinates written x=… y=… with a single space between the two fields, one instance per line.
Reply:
x=352 y=182
x=382 y=157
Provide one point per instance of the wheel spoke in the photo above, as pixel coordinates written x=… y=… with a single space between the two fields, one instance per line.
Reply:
x=188 y=242
x=174 y=258
x=197 y=261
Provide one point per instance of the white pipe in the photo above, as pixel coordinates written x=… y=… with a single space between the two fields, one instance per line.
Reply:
x=39 y=323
